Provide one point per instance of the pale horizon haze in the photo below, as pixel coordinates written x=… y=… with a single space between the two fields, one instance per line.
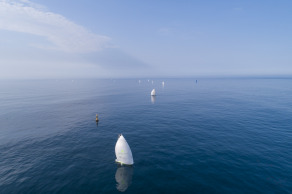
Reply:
x=130 y=39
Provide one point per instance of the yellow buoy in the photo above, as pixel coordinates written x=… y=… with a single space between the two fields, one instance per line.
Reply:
x=96 y=119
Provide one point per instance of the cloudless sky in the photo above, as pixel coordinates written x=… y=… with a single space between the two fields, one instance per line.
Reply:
x=98 y=39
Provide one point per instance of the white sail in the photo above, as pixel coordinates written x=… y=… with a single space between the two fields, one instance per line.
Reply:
x=123 y=151
x=153 y=93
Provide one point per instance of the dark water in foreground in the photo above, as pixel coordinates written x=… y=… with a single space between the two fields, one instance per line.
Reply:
x=216 y=136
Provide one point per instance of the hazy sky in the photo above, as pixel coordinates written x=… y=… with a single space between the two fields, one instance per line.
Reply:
x=130 y=38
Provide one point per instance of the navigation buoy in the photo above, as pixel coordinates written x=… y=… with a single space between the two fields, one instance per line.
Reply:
x=96 y=119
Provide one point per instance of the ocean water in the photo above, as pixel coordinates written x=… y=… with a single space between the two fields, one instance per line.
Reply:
x=213 y=136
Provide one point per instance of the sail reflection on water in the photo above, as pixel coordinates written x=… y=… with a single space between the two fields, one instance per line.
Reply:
x=124 y=177
x=153 y=98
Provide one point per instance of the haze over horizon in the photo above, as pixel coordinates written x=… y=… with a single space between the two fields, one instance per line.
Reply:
x=108 y=39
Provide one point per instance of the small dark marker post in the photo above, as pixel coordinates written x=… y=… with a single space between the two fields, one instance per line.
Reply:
x=96 y=119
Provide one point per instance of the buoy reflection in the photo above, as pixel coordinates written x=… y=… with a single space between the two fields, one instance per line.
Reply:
x=124 y=177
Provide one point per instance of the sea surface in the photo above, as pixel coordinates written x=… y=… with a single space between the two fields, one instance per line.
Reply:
x=210 y=136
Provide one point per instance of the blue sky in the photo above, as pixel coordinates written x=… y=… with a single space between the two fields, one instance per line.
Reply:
x=112 y=39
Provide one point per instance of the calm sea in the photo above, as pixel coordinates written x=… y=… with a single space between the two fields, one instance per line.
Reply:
x=213 y=136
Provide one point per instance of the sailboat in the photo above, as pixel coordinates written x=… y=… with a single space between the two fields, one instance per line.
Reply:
x=153 y=92
x=123 y=152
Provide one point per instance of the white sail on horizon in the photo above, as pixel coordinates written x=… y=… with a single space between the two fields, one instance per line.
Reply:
x=153 y=93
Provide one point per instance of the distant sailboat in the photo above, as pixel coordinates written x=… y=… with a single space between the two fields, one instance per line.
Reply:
x=163 y=83
x=123 y=151
x=153 y=93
